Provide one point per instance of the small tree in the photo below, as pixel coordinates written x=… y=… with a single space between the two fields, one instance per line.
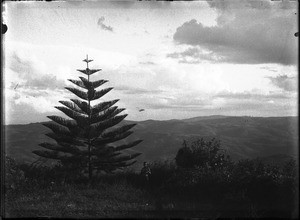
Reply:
x=201 y=153
x=84 y=141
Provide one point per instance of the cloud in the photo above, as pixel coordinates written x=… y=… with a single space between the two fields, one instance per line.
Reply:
x=269 y=69
x=226 y=103
x=136 y=91
x=229 y=5
x=122 y=4
x=252 y=95
x=32 y=75
x=244 y=35
x=31 y=89
x=15 y=113
x=74 y=3
x=285 y=82
x=26 y=106
x=104 y=26
x=115 y=4
x=147 y=63
x=167 y=90
x=194 y=55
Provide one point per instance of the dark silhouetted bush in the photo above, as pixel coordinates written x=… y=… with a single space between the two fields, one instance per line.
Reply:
x=14 y=176
x=161 y=172
x=201 y=153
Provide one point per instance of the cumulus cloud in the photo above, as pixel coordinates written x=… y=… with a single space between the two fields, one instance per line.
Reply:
x=285 y=82
x=194 y=55
x=30 y=91
x=104 y=26
x=31 y=76
x=25 y=106
x=246 y=34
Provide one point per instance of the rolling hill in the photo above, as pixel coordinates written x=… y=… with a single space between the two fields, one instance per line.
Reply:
x=243 y=137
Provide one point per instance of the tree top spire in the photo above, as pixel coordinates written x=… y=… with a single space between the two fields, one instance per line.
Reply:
x=87 y=61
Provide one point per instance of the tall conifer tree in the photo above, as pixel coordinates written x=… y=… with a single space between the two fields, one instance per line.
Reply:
x=84 y=140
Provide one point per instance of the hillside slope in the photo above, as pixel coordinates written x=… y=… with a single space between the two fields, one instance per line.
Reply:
x=242 y=137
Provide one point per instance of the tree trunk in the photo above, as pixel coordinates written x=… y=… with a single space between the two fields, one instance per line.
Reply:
x=90 y=165
x=89 y=102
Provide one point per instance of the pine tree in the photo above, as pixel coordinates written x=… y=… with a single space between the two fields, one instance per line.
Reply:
x=84 y=141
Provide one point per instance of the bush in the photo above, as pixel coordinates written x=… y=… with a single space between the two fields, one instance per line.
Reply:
x=201 y=153
x=199 y=183
x=204 y=171
x=265 y=185
x=161 y=172
x=14 y=176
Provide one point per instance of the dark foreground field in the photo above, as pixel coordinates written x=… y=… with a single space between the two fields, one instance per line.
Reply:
x=118 y=199
x=248 y=190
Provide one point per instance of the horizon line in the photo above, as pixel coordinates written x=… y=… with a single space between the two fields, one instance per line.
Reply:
x=204 y=116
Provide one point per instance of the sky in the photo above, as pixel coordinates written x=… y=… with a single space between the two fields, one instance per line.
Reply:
x=174 y=59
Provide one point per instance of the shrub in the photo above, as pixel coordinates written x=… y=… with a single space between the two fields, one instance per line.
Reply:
x=14 y=176
x=265 y=185
x=161 y=172
x=201 y=153
x=204 y=171
x=199 y=183
x=290 y=169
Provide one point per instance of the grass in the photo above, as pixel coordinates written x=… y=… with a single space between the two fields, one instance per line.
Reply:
x=101 y=200
x=71 y=200
x=106 y=199
x=172 y=192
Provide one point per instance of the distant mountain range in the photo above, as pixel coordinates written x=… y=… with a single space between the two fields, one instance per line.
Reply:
x=273 y=138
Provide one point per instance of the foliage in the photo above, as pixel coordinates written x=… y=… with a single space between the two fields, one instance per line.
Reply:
x=200 y=175
x=201 y=153
x=83 y=142
x=240 y=188
x=266 y=185
x=161 y=172
x=14 y=176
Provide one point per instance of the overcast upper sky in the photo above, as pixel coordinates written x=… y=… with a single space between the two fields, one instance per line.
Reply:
x=174 y=59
